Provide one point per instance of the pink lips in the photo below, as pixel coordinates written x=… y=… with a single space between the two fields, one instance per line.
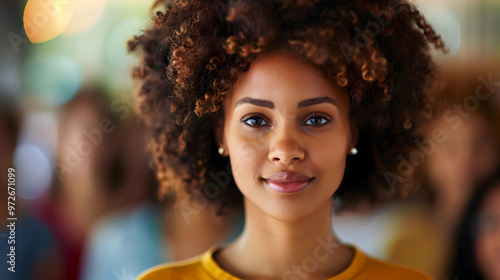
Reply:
x=288 y=182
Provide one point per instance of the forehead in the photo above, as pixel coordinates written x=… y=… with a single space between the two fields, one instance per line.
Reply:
x=278 y=75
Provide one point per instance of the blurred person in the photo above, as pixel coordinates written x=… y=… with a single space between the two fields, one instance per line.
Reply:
x=459 y=144
x=477 y=240
x=90 y=172
x=130 y=239
x=35 y=254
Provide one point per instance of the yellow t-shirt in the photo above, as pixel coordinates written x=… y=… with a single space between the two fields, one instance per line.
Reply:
x=203 y=266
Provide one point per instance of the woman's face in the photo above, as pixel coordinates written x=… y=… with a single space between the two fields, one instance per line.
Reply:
x=465 y=158
x=488 y=238
x=285 y=116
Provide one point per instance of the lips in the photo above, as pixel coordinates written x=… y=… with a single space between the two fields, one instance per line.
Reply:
x=288 y=182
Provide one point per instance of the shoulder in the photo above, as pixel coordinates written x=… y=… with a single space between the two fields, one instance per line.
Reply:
x=377 y=269
x=191 y=268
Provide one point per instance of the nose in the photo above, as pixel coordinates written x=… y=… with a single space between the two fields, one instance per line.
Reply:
x=285 y=147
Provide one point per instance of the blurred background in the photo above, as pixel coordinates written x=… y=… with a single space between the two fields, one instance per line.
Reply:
x=85 y=191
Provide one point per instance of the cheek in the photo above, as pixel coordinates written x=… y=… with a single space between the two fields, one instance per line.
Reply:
x=481 y=247
x=484 y=250
x=329 y=157
x=487 y=253
x=247 y=156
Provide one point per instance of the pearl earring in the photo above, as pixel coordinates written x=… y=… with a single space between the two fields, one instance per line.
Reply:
x=354 y=151
x=221 y=151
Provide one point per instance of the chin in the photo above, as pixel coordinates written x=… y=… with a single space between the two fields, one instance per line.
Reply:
x=290 y=217
x=292 y=210
x=287 y=207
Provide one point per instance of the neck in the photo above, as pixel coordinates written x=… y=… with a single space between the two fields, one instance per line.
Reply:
x=275 y=248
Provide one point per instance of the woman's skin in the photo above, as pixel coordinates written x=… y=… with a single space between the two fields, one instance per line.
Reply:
x=487 y=245
x=284 y=229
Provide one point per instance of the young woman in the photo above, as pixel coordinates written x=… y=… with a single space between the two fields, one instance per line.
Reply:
x=276 y=106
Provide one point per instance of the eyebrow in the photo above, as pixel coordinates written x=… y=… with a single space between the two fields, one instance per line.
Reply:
x=270 y=104
x=317 y=100
x=255 y=101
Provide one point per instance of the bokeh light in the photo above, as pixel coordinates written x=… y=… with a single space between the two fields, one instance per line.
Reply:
x=38 y=140
x=53 y=79
x=87 y=14
x=46 y=19
x=33 y=171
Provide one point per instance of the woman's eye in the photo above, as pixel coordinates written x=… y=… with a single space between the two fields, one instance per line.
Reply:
x=254 y=121
x=317 y=121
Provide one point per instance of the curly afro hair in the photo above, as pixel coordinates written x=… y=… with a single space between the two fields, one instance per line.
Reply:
x=194 y=50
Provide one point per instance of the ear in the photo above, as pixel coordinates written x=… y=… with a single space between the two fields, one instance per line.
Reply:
x=354 y=134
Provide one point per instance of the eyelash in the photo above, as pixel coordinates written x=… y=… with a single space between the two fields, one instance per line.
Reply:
x=253 y=117
x=262 y=118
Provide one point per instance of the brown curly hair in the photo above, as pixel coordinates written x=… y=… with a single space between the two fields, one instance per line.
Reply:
x=193 y=52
